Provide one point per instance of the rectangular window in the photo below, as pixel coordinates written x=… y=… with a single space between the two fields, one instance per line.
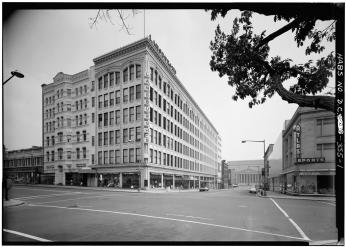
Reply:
x=151 y=94
x=84 y=152
x=77 y=153
x=125 y=135
x=117 y=117
x=100 y=102
x=117 y=97
x=93 y=141
x=138 y=71
x=138 y=134
x=132 y=94
x=125 y=95
x=138 y=155
x=125 y=156
x=111 y=157
x=132 y=155
x=111 y=99
x=326 y=127
x=105 y=81
x=117 y=78
x=138 y=113
x=125 y=115
x=132 y=114
x=155 y=157
x=111 y=137
x=125 y=75
x=111 y=118
x=93 y=102
x=105 y=138
x=117 y=136
x=151 y=74
x=132 y=72
x=111 y=79
x=100 y=84
x=100 y=120
x=132 y=134
x=138 y=91
x=105 y=119
x=159 y=158
x=100 y=139
x=151 y=156
x=105 y=157
x=117 y=157
x=99 y=157
x=105 y=100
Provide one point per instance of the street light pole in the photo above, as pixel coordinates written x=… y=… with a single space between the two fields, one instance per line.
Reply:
x=15 y=73
x=264 y=162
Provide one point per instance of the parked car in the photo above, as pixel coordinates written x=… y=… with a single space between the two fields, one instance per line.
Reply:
x=235 y=185
x=252 y=189
x=204 y=188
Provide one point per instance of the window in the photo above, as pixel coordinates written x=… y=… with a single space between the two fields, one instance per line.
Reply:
x=132 y=155
x=93 y=141
x=60 y=153
x=125 y=135
x=105 y=98
x=132 y=94
x=100 y=120
x=84 y=152
x=326 y=150
x=85 y=89
x=100 y=139
x=99 y=157
x=138 y=91
x=125 y=95
x=111 y=137
x=138 y=113
x=111 y=99
x=85 y=103
x=92 y=117
x=105 y=119
x=151 y=74
x=77 y=153
x=105 y=157
x=125 y=75
x=155 y=157
x=138 y=134
x=111 y=118
x=105 y=81
x=125 y=115
x=138 y=71
x=151 y=94
x=132 y=114
x=117 y=97
x=117 y=117
x=117 y=156
x=117 y=136
x=326 y=127
x=92 y=86
x=132 y=72
x=84 y=135
x=125 y=156
x=131 y=134
x=92 y=159
x=159 y=158
x=138 y=155
x=69 y=92
x=151 y=114
x=117 y=78
x=111 y=157
x=105 y=138
x=100 y=83
x=53 y=156
x=68 y=154
x=111 y=79
x=151 y=156
x=100 y=102
x=78 y=136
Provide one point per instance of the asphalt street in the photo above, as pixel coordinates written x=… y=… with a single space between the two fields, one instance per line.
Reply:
x=69 y=215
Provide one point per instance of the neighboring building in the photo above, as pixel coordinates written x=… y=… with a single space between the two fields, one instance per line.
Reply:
x=225 y=176
x=142 y=127
x=246 y=172
x=219 y=163
x=274 y=159
x=309 y=152
x=24 y=165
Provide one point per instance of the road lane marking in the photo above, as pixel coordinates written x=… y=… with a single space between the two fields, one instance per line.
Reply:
x=47 y=195
x=292 y=221
x=77 y=198
x=188 y=216
x=27 y=235
x=329 y=203
x=20 y=188
x=170 y=219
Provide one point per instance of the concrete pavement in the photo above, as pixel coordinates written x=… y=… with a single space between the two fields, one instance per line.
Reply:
x=12 y=202
x=277 y=195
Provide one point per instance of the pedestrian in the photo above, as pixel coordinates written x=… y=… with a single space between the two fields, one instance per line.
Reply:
x=7 y=185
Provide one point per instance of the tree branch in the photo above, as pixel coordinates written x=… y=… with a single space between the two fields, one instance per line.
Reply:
x=123 y=21
x=324 y=102
x=279 y=32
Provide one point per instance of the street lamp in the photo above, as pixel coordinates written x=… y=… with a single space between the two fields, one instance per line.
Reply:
x=15 y=73
x=264 y=162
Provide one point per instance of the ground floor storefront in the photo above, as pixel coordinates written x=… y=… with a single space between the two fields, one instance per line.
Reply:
x=135 y=177
x=309 y=182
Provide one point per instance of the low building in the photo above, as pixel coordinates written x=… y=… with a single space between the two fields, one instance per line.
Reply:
x=309 y=152
x=246 y=172
x=24 y=165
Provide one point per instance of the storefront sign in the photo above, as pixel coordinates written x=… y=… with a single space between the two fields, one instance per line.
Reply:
x=298 y=141
x=310 y=160
x=146 y=112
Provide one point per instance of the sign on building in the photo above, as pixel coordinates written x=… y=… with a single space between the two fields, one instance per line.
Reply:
x=310 y=160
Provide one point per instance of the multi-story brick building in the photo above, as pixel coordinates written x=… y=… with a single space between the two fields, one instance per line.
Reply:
x=24 y=165
x=132 y=124
x=308 y=152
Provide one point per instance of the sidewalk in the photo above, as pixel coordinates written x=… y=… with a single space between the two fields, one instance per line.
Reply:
x=11 y=203
x=312 y=197
x=109 y=189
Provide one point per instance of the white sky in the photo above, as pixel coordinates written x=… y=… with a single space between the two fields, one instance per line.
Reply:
x=41 y=43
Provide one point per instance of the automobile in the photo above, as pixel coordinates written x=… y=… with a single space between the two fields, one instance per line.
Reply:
x=252 y=189
x=235 y=185
x=204 y=188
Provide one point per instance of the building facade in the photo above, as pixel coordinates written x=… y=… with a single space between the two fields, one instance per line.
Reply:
x=308 y=152
x=246 y=172
x=24 y=165
x=140 y=127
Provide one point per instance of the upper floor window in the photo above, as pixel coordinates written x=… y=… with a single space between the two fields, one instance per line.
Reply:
x=132 y=72
x=138 y=71
x=125 y=75
x=326 y=127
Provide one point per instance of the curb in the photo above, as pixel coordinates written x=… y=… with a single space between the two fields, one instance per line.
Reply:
x=297 y=198
x=12 y=203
